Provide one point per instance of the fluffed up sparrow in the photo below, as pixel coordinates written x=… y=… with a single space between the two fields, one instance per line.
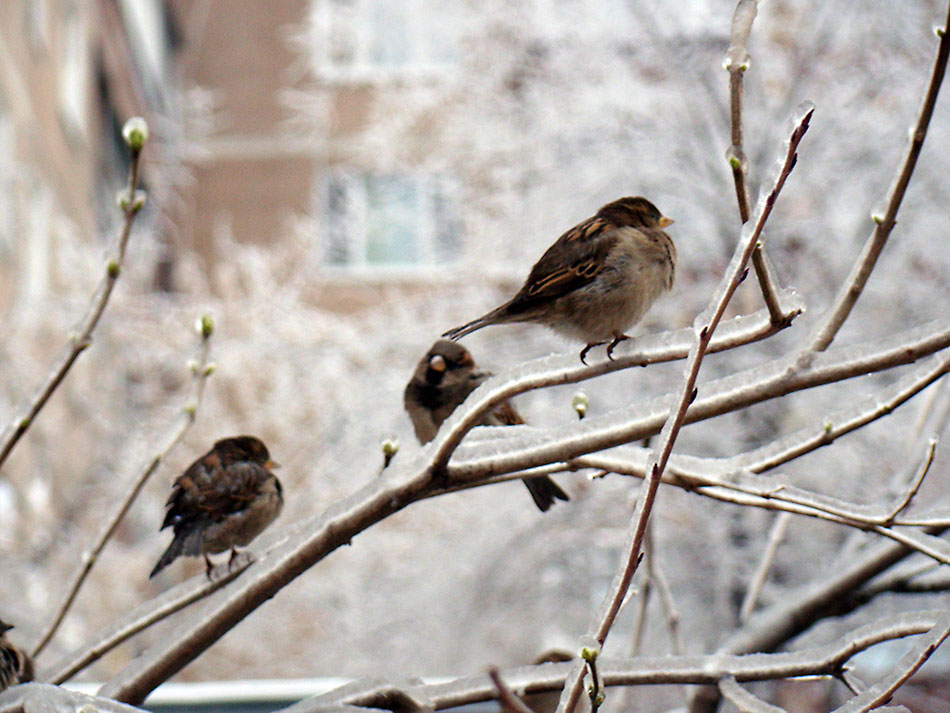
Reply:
x=223 y=500
x=15 y=665
x=597 y=280
x=443 y=379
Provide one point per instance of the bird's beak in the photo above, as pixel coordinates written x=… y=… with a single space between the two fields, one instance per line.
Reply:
x=664 y=221
x=272 y=465
x=437 y=363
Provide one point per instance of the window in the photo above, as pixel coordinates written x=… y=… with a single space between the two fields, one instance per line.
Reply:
x=72 y=75
x=360 y=39
x=390 y=221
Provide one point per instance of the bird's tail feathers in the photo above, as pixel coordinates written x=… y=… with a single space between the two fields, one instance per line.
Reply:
x=544 y=491
x=184 y=543
x=496 y=316
x=171 y=554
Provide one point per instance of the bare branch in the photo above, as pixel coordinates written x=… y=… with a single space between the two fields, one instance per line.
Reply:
x=510 y=703
x=200 y=371
x=408 y=481
x=43 y=698
x=918 y=480
x=824 y=660
x=666 y=597
x=765 y=564
x=744 y=701
x=144 y=616
x=705 y=325
x=853 y=286
x=562 y=369
x=131 y=201
x=736 y=62
x=720 y=396
x=881 y=692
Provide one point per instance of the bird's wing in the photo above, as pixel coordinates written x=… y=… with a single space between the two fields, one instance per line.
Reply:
x=214 y=492
x=505 y=415
x=574 y=260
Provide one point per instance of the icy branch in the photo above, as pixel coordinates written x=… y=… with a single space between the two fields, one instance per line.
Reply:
x=131 y=202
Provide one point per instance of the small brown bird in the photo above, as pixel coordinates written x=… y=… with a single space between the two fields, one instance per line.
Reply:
x=224 y=500
x=15 y=666
x=597 y=280
x=443 y=379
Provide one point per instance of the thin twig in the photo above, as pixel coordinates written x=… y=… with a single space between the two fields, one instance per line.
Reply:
x=132 y=200
x=852 y=681
x=666 y=594
x=765 y=564
x=853 y=286
x=145 y=616
x=639 y=628
x=705 y=325
x=200 y=371
x=510 y=703
x=743 y=700
x=595 y=689
x=881 y=692
x=736 y=63
x=918 y=480
x=824 y=660
x=720 y=396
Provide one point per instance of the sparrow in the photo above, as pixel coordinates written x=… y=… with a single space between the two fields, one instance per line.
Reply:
x=15 y=666
x=443 y=379
x=223 y=500
x=597 y=280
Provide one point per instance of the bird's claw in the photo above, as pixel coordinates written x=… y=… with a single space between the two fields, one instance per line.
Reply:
x=614 y=343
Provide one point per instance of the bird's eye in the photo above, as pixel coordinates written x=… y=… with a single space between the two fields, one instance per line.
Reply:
x=437 y=363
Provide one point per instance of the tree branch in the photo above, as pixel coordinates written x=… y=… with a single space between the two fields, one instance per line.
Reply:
x=736 y=63
x=200 y=371
x=825 y=660
x=131 y=201
x=705 y=325
x=854 y=285
x=881 y=692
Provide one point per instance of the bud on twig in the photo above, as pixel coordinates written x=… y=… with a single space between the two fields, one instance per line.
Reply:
x=580 y=404
x=135 y=133
x=390 y=448
x=204 y=325
x=131 y=204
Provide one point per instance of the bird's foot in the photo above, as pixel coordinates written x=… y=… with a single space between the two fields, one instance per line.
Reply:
x=610 y=347
x=587 y=349
x=209 y=567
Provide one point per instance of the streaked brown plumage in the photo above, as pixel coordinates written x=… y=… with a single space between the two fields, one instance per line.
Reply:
x=223 y=500
x=15 y=665
x=443 y=379
x=597 y=280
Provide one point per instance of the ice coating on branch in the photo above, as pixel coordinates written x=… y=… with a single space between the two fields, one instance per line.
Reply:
x=529 y=447
x=737 y=56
